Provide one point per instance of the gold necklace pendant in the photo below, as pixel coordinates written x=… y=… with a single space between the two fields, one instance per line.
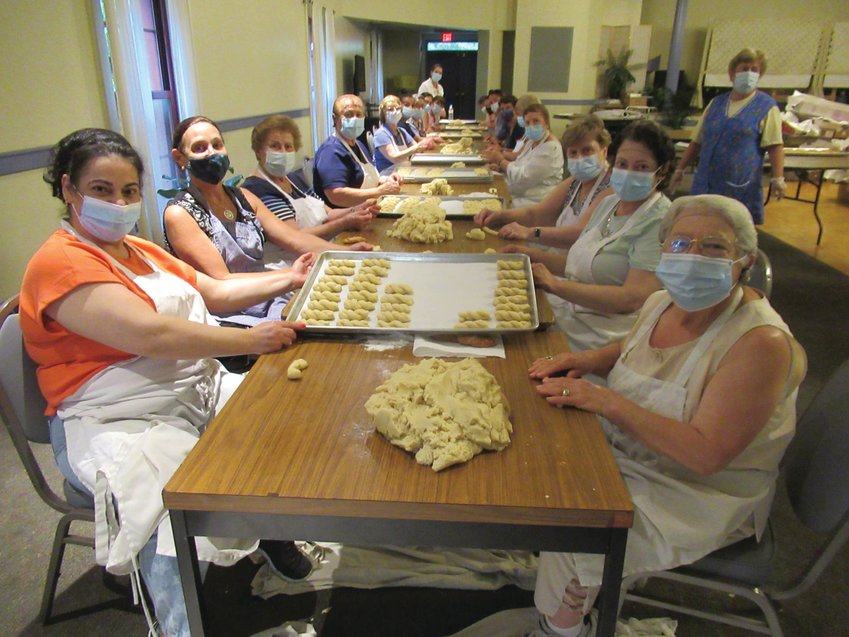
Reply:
x=229 y=215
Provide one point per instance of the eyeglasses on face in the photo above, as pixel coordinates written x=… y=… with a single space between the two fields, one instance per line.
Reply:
x=709 y=246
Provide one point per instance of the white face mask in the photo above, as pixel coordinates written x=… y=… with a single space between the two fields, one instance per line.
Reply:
x=393 y=117
x=106 y=221
x=279 y=163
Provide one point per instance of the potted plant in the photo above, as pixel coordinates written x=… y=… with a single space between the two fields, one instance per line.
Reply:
x=617 y=73
x=673 y=107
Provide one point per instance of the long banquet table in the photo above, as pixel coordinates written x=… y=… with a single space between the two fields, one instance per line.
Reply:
x=301 y=459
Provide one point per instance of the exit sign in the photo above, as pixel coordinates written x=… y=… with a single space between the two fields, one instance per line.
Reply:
x=448 y=37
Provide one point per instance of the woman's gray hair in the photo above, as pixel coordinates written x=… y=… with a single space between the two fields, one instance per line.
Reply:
x=731 y=210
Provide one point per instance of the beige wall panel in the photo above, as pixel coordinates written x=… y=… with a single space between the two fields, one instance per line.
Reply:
x=661 y=15
x=251 y=58
x=31 y=214
x=51 y=76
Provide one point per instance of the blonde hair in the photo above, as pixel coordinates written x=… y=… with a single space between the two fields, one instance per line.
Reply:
x=748 y=55
x=386 y=103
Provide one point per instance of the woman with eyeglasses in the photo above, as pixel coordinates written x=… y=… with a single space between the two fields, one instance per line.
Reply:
x=609 y=268
x=698 y=409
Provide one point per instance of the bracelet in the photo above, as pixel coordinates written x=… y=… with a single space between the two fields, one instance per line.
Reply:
x=537 y=232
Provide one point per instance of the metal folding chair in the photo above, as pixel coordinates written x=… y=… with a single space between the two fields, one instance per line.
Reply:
x=22 y=410
x=817 y=475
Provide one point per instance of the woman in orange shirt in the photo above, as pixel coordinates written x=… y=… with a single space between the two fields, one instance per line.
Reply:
x=124 y=343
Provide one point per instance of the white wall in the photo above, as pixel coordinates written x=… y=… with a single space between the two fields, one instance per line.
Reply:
x=661 y=14
x=50 y=86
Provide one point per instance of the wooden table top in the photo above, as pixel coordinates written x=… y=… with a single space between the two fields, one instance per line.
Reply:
x=307 y=447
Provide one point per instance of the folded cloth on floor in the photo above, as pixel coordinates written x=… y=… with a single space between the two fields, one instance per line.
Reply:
x=376 y=567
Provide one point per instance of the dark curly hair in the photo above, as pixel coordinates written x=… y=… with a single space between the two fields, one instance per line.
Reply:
x=73 y=153
x=653 y=137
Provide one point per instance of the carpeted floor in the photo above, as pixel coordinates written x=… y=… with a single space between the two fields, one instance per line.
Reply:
x=813 y=299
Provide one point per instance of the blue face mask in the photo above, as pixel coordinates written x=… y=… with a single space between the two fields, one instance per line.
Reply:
x=427 y=108
x=695 y=282
x=353 y=127
x=746 y=81
x=520 y=120
x=211 y=168
x=584 y=168
x=535 y=132
x=279 y=163
x=436 y=76
x=407 y=111
x=631 y=185
x=106 y=221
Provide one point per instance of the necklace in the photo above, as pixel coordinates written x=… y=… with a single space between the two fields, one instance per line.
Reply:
x=229 y=215
x=605 y=229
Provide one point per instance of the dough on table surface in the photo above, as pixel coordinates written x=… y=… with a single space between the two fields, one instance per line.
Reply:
x=458 y=164
x=426 y=223
x=462 y=146
x=347 y=241
x=489 y=251
x=296 y=369
x=444 y=412
x=476 y=234
x=437 y=187
x=474 y=206
x=483 y=172
x=387 y=204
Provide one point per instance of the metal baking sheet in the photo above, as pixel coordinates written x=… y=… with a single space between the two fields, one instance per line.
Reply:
x=453 y=205
x=439 y=159
x=460 y=122
x=422 y=174
x=460 y=132
x=443 y=285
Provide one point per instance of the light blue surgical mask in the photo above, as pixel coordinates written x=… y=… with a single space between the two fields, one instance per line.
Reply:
x=279 y=163
x=106 y=221
x=746 y=81
x=695 y=282
x=520 y=120
x=535 y=132
x=393 y=117
x=419 y=113
x=632 y=185
x=584 y=168
x=408 y=111
x=436 y=76
x=353 y=127
x=436 y=111
x=427 y=108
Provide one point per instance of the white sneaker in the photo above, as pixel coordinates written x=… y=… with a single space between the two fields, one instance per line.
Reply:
x=544 y=630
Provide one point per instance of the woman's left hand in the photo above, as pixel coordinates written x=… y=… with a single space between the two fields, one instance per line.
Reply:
x=543 y=278
x=576 y=392
x=515 y=231
x=301 y=267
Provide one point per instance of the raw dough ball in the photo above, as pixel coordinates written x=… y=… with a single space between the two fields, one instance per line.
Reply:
x=444 y=412
x=476 y=234
x=437 y=186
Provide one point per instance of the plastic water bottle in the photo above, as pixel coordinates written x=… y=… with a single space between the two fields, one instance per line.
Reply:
x=451 y=111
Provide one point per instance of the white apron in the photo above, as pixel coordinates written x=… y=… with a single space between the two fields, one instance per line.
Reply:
x=130 y=426
x=309 y=211
x=586 y=328
x=676 y=521
x=371 y=178
x=568 y=215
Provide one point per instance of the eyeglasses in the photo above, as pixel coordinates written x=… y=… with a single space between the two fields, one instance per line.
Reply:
x=709 y=246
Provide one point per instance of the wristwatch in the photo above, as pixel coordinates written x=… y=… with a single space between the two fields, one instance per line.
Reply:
x=537 y=232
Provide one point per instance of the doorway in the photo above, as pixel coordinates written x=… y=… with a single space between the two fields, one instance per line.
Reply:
x=458 y=79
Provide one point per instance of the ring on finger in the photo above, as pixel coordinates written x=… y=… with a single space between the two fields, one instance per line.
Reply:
x=565 y=393
x=548 y=357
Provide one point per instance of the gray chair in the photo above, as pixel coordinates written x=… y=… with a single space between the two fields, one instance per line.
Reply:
x=760 y=274
x=22 y=410
x=817 y=476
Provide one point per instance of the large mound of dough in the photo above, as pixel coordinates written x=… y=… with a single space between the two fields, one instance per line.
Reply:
x=444 y=412
x=423 y=222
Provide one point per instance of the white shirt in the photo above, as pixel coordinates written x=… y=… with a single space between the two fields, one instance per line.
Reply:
x=535 y=172
x=427 y=87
